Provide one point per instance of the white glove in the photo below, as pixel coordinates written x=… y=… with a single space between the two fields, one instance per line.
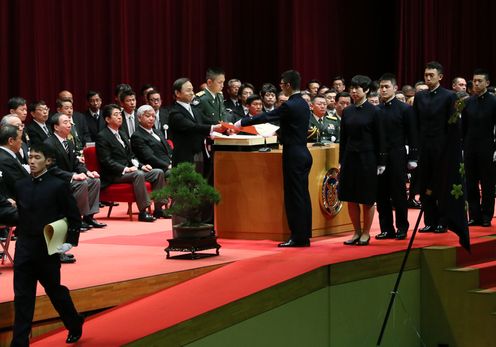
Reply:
x=381 y=169
x=494 y=156
x=411 y=165
x=65 y=247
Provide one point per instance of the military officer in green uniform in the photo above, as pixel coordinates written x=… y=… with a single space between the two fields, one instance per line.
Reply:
x=321 y=128
x=211 y=100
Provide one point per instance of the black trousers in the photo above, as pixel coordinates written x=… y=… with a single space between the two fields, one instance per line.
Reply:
x=392 y=192
x=32 y=264
x=429 y=179
x=479 y=169
x=296 y=164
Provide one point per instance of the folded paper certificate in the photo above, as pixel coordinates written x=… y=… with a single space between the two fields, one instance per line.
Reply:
x=55 y=234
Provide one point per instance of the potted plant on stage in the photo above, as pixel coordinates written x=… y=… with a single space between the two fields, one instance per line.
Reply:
x=192 y=200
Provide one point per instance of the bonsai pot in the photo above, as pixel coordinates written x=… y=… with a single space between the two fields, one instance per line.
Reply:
x=182 y=231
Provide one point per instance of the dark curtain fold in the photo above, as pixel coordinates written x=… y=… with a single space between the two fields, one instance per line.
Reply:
x=50 y=45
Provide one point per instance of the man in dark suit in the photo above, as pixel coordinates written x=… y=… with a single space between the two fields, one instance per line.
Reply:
x=38 y=130
x=268 y=94
x=42 y=199
x=432 y=107
x=80 y=134
x=93 y=114
x=232 y=103
x=401 y=129
x=11 y=168
x=187 y=127
x=161 y=114
x=129 y=119
x=119 y=165
x=85 y=184
x=479 y=144
x=14 y=120
x=148 y=143
x=293 y=116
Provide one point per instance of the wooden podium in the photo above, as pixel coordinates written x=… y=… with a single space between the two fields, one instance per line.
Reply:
x=252 y=197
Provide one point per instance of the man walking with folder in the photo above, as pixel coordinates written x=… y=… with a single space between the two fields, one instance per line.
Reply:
x=42 y=199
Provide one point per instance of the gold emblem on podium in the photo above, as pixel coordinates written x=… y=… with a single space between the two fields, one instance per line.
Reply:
x=329 y=201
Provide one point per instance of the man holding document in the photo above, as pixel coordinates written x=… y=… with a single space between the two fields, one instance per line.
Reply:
x=293 y=117
x=42 y=199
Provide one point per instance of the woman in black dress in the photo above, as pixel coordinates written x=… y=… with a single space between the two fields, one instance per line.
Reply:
x=360 y=156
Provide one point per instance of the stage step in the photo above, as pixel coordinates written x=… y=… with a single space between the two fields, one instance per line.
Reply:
x=480 y=252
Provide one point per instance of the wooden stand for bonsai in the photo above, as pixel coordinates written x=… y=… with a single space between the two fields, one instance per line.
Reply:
x=192 y=245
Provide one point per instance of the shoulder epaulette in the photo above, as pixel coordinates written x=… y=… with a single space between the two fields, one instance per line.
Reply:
x=200 y=93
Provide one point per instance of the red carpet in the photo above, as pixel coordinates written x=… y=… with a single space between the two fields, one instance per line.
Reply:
x=239 y=279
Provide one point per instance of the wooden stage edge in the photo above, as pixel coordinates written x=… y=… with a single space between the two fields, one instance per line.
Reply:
x=94 y=299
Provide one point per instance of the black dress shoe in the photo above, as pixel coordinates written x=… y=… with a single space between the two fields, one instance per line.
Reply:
x=69 y=255
x=92 y=222
x=162 y=213
x=292 y=243
x=75 y=334
x=440 y=229
x=385 y=235
x=145 y=217
x=401 y=235
x=473 y=223
x=65 y=259
x=486 y=224
x=427 y=229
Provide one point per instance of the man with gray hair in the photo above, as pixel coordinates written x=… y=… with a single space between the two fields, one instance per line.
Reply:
x=149 y=144
x=22 y=154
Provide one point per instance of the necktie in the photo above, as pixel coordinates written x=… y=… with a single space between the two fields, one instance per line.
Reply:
x=131 y=125
x=45 y=129
x=155 y=136
x=120 y=139
x=66 y=146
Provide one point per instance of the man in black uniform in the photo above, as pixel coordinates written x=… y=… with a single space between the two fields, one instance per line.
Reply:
x=433 y=107
x=478 y=122
x=42 y=199
x=400 y=127
x=294 y=117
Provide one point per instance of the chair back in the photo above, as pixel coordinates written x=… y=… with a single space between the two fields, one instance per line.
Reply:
x=91 y=159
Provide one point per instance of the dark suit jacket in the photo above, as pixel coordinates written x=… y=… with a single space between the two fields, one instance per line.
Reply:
x=25 y=151
x=81 y=127
x=12 y=171
x=36 y=133
x=150 y=151
x=113 y=158
x=236 y=111
x=42 y=201
x=478 y=122
x=66 y=164
x=124 y=126
x=188 y=133
x=94 y=125
x=293 y=117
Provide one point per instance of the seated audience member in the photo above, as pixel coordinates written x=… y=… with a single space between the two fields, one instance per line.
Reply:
x=254 y=104
x=268 y=94
x=321 y=129
x=129 y=119
x=18 y=106
x=93 y=114
x=148 y=144
x=323 y=89
x=306 y=96
x=373 y=98
x=330 y=97
x=118 y=164
x=459 y=84
x=38 y=130
x=11 y=168
x=79 y=130
x=313 y=87
x=339 y=84
x=145 y=89
x=85 y=184
x=245 y=91
x=117 y=92
x=281 y=99
x=400 y=96
x=23 y=153
x=232 y=103
x=161 y=114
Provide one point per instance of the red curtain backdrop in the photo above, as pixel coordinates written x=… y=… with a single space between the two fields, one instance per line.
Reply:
x=50 y=45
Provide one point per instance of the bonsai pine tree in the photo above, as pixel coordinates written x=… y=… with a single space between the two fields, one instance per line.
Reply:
x=190 y=194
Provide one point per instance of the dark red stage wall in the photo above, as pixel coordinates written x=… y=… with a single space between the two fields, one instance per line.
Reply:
x=49 y=45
